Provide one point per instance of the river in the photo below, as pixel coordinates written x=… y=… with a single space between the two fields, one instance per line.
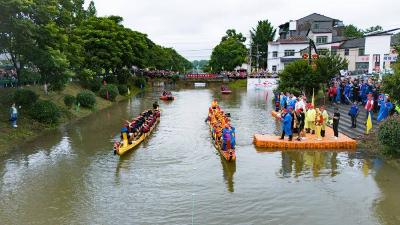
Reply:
x=70 y=176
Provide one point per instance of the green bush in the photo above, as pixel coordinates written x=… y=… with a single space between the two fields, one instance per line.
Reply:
x=25 y=97
x=112 y=92
x=86 y=99
x=95 y=85
x=389 y=135
x=45 y=112
x=123 y=89
x=175 y=77
x=69 y=100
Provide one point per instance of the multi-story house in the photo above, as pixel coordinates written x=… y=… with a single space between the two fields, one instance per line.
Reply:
x=294 y=36
x=369 y=54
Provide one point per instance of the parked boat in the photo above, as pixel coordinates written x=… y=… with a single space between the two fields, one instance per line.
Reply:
x=126 y=143
x=199 y=84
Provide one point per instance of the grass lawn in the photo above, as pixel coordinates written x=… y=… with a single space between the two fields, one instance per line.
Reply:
x=29 y=128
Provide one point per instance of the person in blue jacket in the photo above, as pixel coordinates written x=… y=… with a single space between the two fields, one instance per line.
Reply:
x=283 y=100
x=286 y=119
x=353 y=113
x=384 y=111
x=228 y=137
x=338 y=93
x=347 y=93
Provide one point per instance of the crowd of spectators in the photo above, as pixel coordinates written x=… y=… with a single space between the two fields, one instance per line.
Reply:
x=8 y=78
x=158 y=73
x=364 y=91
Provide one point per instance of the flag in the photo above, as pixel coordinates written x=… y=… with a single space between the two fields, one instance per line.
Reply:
x=312 y=100
x=369 y=123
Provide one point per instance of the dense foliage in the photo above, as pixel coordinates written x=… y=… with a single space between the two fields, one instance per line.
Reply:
x=122 y=89
x=45 y=112
x=260 y=36
x=300 y=77
x=389 y=135
x=109 y=92
x=59 y=39
x=391 y=83
x=69 y=100
x=86 y=99
x=25 y=97
x=229 y=53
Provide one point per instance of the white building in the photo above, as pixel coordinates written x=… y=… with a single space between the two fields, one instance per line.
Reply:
x=282 y=52
x=295 y=34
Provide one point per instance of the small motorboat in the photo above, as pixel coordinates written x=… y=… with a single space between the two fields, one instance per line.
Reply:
x=225 y=90
x=167 y=96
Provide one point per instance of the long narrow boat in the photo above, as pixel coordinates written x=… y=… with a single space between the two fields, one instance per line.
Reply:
x=229 y=155
x=123 y=147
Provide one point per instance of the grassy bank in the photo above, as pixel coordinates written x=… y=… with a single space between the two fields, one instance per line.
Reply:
x=237 y=84
x=28 y=128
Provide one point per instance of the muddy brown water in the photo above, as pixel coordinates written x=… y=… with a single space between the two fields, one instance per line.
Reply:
x=70 y=176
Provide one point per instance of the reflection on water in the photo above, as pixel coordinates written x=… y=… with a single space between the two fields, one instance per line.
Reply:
x=70 y=176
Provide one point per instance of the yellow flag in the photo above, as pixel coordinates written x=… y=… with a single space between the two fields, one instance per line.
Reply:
x=369 y=123
x=312 y=100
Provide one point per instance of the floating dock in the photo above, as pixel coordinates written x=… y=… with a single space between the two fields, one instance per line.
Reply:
x=311 y=142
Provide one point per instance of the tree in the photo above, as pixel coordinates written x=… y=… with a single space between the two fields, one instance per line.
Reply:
x=373 y=29
x=391 y=83
x=328 y=66
x=231 y=33
x=91 y=10
x=260 y=36
x=229 y=53
x=351 y=31
x=298 y=76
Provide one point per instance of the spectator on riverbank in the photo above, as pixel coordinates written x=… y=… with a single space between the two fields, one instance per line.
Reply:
x=353 y=113
x=336 y=118
x=13 y=115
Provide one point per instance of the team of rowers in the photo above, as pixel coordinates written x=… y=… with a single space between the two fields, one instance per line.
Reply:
x=142 y=123
x=222 y=131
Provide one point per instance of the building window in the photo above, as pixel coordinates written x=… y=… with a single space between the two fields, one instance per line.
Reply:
x=346 y=51
x=333 y=51
x=273 y=68
x=274 y=54
x=316 y=25
x=289 y=52
x=322 y=39
x=323 y=51
x=361 y=52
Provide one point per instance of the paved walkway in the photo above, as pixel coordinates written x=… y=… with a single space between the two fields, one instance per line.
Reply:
x=345 y=121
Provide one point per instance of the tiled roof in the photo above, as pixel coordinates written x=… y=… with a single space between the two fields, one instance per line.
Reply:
x=353 y=43
x=316 y=17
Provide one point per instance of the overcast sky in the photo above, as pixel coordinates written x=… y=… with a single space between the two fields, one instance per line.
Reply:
x=193 y=28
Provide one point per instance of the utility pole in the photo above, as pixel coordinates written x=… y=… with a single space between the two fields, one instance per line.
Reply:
x=258 y=56
x=250 y=55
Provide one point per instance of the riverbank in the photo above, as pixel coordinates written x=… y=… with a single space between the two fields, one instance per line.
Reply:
x=28 y=129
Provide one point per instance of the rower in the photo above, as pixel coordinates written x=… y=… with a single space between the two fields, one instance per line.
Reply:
x=155 y=105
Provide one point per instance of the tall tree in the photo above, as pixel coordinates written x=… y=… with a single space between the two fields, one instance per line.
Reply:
x=260 y=36
x=351 y=31
x=229 y=53
x=91 y=10
x=328 y=66
x=231 y=33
